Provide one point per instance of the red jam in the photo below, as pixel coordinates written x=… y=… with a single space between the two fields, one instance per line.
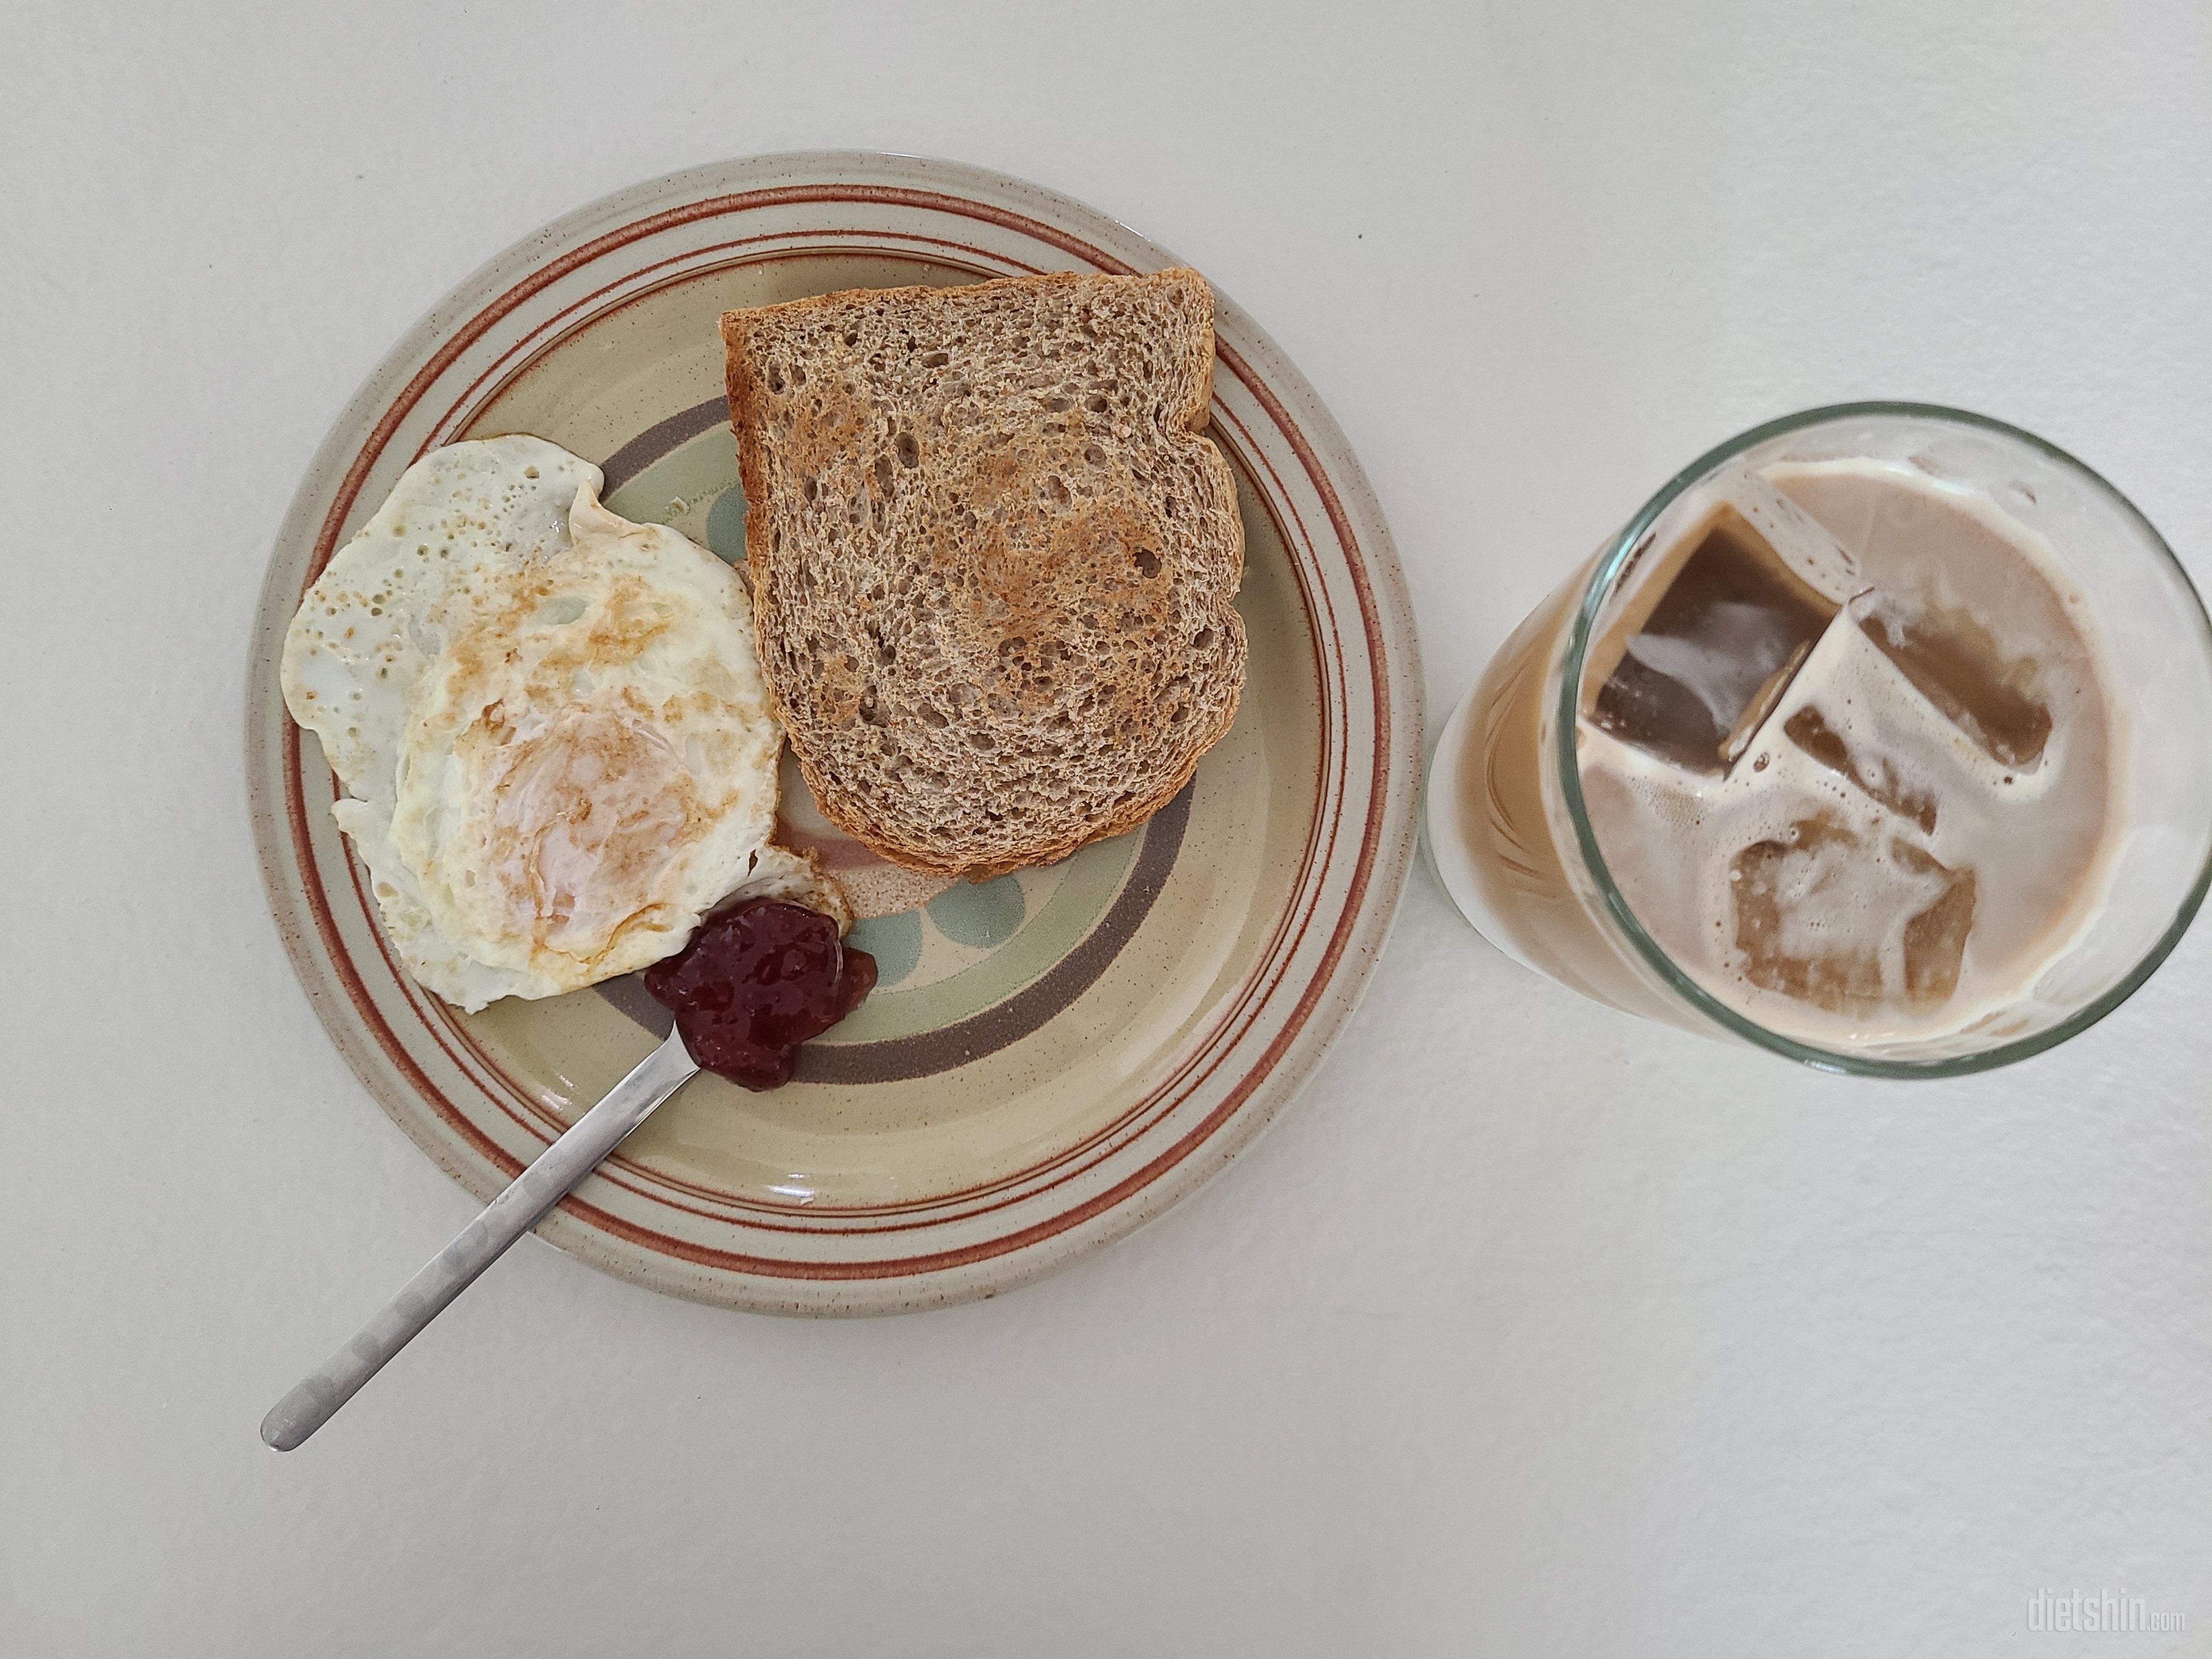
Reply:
x=757 y=980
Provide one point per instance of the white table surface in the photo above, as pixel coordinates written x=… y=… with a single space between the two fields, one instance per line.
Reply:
x=1533 y=1329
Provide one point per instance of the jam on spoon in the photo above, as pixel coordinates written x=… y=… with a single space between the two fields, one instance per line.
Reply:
x=757 y=980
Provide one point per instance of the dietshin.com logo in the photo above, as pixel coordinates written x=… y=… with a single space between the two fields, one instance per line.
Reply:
x=2099 y=1610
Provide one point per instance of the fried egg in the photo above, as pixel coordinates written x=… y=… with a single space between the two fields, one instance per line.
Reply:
x=550 y=724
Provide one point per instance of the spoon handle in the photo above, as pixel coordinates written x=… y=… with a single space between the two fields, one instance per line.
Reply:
x=512 y=1213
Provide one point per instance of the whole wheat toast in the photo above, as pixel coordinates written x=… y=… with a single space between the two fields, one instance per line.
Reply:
x=994 y=561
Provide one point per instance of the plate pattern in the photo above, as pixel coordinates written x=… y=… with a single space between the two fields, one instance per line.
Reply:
x=1058 y=1055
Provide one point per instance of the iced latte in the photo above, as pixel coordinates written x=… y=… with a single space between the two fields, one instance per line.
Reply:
x=1842 y=748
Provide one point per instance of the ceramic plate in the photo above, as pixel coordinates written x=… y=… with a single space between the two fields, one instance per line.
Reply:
x=1050 y=1058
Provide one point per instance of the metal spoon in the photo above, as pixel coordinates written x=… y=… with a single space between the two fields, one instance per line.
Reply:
x=506 y=1219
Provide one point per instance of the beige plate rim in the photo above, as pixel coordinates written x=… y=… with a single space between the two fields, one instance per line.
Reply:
x=1376 y=724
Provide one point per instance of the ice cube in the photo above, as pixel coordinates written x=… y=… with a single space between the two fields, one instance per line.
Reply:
x=1806 y=547
x=1981 y=625
x=1780 y=889
x=1954 y=662
x=1935 y=938
x=1688 y=673
x=1873 y=772
x=1824 y=917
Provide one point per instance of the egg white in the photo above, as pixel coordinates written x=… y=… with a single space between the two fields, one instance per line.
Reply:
x=549 y=721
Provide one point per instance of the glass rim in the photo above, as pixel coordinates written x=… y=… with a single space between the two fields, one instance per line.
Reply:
x=1567 y=712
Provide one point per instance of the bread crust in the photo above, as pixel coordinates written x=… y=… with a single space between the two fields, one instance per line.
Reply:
x=958 y=540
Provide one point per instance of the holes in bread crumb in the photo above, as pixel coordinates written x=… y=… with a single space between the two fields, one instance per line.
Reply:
x=982 y=740
x=1058 y=405
x=1096 y=403
x=1094 y=455
x=775 y=377
x=1147 y=563
x=809 y=488
x=909 y=451
x=883 y=469
x=933 y=717
x=798 y=374
x=936 y=359
x=851 y=337
x=1058 y=490
x=1203 y=640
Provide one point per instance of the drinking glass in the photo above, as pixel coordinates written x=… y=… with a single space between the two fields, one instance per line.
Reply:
x=1507 y=830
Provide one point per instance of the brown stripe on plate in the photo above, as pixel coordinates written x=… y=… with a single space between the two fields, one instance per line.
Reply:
x=926 y=1053
x=660 y=439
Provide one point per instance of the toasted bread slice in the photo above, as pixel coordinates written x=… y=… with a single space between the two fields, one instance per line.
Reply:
x=994 y=563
